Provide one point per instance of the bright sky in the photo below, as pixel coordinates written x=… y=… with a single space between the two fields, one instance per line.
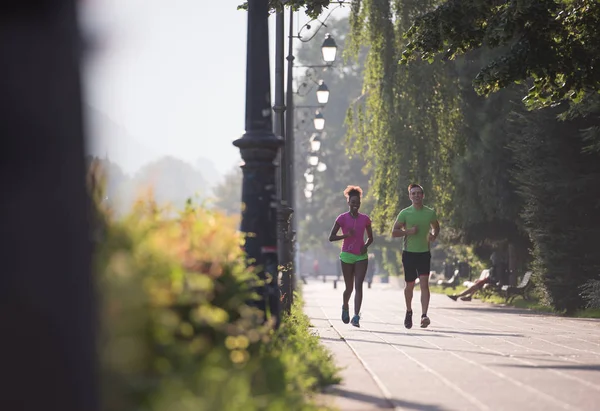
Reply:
x=168 y=79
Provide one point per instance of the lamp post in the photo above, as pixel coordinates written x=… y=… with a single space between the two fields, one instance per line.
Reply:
x=287 y=222
x=286 y=228
x=258 y=148
x=285 y=210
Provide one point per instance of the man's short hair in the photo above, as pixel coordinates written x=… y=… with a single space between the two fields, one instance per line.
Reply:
x=413 y=185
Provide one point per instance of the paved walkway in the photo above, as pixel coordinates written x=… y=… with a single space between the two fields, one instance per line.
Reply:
x=473 y=356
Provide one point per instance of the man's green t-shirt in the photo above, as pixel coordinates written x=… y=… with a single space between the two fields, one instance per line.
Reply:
x=410 y=216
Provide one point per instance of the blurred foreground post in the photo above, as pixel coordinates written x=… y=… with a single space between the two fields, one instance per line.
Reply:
x=258 y=148
x=47 y=347
x=284 y=233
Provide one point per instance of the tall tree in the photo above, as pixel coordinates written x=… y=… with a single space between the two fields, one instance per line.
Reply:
x=553 y=43
x=405 y=126
x=553 y=47
x=227 y=193
x=559 y=184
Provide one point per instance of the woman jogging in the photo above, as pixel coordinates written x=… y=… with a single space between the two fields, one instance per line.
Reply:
x=354 y=257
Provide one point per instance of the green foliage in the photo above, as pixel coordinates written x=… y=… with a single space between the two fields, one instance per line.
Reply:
x=591 y=293
x=177 y=333
x=494 y=182
x=303 y=352
x=559 y=186
x=553 y=43
x=312 y=7
x=438 y=289
x=405 y=124
x=489 y=204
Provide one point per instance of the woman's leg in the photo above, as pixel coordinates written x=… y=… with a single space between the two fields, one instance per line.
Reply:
x=360 y=272
x=348 y=272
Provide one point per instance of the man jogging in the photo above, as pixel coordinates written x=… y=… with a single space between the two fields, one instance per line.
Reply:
x=419 y=227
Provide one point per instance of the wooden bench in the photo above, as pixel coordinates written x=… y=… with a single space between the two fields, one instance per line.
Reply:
x=484 y=274
x=509 y=292
x=451 y=282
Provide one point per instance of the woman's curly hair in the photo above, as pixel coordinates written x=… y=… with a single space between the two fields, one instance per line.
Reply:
x=351 y=191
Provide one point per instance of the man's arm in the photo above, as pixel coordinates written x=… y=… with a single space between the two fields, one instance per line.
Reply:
x=435 y=225
x=401 y=231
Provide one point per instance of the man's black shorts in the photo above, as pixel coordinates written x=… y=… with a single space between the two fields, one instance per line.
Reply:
x=415 y=264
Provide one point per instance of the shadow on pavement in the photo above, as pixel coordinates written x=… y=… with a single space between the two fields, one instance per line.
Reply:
x=381 y=402
x=582 y=367
x=478 y=334
x=530 y=357
x=408 y=333
x=495 y=309
x=439 y=333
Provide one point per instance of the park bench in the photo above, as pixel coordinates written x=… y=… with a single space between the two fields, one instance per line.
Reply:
x=509 y=292
x=484 y=274
x=451 y=282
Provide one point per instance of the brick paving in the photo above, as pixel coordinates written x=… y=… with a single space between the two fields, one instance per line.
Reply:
x=473 y=356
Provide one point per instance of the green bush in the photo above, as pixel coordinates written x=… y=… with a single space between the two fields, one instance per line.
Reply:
x=176 y=331
x=557 y=179
x=591 y=293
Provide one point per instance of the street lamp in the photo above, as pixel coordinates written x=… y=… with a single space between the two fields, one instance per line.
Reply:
x=319 y=121
x=329 y=49
x=322 y=93
x=315 y=142
x=259 y=147
x=309 y=177
x=307 y=194
x=313 y=159
x=321 y=167
x=310 y=186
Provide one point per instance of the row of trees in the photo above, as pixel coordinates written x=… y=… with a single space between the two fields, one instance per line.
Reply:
x=170 y=180
x=493 y=107
x=501 y=171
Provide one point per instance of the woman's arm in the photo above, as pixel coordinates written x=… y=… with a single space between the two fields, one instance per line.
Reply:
x=333 y=235
x=369 y=236
x=369 y=230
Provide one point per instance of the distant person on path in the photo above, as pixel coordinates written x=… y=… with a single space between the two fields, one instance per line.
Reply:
x=354 y=257
x=419 y=227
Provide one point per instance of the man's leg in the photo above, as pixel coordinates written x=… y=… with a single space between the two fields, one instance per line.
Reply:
x=410 y=275
x=408 y=294
x=423 y=269
x=425 y=294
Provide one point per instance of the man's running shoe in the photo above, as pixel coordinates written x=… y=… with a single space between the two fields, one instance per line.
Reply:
x=408 y=320
x=425 y=321
x=467 y=298
x=355 y=321
x=453 y=297
x=345 y=315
